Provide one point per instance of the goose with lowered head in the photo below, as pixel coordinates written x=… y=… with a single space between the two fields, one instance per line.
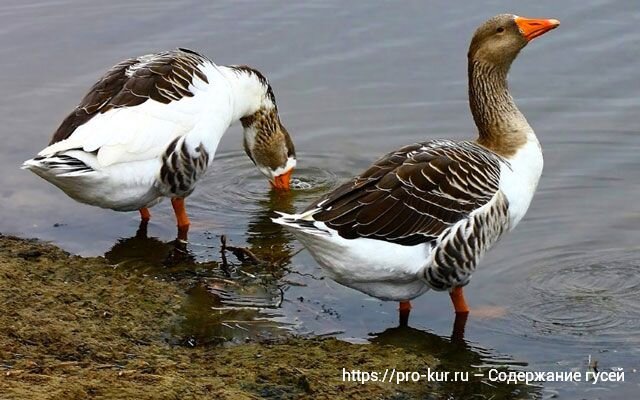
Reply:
x=149 y=129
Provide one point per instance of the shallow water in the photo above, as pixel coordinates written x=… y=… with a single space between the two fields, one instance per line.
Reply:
x=353 y=81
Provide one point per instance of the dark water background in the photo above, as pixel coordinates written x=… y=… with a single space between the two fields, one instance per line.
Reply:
x=354 y=80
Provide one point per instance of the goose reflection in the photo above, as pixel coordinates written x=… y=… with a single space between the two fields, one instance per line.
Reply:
x=242 y=300
x=150 y=253
x=219 y=305
x=457 y=354
x=268 y=241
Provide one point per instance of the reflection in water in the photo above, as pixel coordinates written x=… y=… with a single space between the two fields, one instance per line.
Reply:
x=235 y=303
x=149 y=254
x=218 y=305
x=207 y=317
x=456 y=354
x=268 y=241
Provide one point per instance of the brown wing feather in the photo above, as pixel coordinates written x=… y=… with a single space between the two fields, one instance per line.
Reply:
x=163 y=77
x=412 y=195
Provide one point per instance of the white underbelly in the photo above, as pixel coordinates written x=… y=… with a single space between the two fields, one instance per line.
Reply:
x=390 y=291
x=380 y=269
x=121 y=187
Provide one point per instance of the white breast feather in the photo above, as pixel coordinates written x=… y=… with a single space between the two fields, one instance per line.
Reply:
x=519 y=180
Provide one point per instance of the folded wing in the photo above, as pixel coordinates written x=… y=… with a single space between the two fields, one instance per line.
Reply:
x=139 y=106
x=412 y=195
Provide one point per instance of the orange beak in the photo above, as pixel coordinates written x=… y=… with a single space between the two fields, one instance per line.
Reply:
x=281 y=182
x=532 y=28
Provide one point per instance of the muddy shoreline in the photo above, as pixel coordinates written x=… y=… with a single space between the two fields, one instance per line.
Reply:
x=73 y=327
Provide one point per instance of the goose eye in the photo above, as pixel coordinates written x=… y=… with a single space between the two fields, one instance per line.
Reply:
x=500 y=30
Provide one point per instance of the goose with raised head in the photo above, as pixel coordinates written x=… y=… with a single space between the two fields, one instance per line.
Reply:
x=149 y=129
x=421 y=217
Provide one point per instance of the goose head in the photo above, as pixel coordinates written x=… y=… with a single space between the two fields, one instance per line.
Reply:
x=498 y=41
x=269 y=146
x=266 y=140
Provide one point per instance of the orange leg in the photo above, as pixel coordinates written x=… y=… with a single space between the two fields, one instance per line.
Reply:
x=405 y=309
x=181 y=217
x=457 y=297
x=145 y=215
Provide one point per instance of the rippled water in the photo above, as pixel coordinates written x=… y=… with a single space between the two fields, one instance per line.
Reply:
x=353 y=81
x=594 y=296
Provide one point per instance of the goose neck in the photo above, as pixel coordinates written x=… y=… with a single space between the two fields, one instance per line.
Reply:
x=501 y=125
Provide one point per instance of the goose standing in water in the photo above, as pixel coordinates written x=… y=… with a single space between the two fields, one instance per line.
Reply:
x=422 y=216
x=149 y=128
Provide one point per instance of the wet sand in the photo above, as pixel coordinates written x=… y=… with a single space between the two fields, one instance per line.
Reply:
x=73 y=327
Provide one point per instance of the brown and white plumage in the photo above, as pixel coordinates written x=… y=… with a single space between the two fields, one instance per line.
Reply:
x=412 y=195
x=149 y=129
x=419 y=194
x=440 y=197
x=421 y=217
x=163 y=77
